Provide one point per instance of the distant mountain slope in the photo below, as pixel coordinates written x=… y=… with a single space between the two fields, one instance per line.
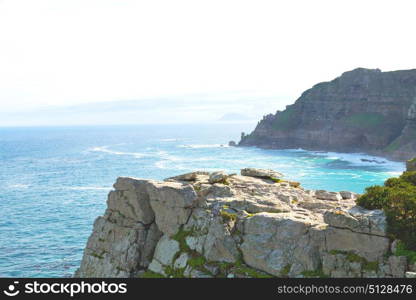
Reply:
x=363 y=110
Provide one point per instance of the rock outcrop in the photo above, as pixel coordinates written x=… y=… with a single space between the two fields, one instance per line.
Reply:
x=411 y=165
x=219 y=225
x=361 y=111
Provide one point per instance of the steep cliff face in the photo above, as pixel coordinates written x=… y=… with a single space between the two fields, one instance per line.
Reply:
x=361 y=111
x=253 y=225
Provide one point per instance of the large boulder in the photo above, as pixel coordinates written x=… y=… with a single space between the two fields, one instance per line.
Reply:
x=358 y=219
x=172 y=203
x=274 y=242
x=124 y=239
x=216 y=177
x=370 y=247
x=261 y=173
x=164 y=254
x=398 y=265
x=324 y=195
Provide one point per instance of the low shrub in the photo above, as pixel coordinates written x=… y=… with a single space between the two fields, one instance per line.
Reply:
x=398 y=200
x=402 y=251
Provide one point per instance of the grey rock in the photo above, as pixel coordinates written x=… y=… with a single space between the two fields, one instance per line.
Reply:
x=199 y=274
x=213 y=269
x=172 y=203
x=166 y=250
x=131 y=200
x=192 y=176
x=157 y=267
x=358 y=220
x=261 y=173
x=122 y=240
x=272 y=250
x=216 y=177
x=348 y=195
x=393 y=247
x=278 y=229
x=398 y=265
x=371 y=247
x=324 y=195
x=219 y=244
x=181 y=261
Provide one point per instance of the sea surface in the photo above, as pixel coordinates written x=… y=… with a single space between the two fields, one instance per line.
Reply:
x=54 y=181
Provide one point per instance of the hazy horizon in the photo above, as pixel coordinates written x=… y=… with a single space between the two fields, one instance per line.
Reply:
x=96 y=62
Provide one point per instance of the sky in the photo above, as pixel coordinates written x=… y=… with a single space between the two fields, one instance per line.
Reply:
x=196 y=60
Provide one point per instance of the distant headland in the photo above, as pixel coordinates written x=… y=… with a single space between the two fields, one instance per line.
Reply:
x=363 y=110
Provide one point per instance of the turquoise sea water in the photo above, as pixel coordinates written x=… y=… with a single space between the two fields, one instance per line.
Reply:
x=54 y=181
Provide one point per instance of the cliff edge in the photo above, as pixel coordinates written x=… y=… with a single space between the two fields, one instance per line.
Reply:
x=363 y=110
x=251 y=225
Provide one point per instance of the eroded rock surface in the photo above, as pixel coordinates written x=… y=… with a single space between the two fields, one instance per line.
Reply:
x=219 y=225
x=345 y=115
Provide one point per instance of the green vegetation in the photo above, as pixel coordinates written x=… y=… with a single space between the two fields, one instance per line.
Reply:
x=392 y=146
x=243 y=269
x=398 y=200
x=238 y=267
x=171 y=272
x=365 y=120
x=402 y=251
x=197 y=261
x=371 y=266
x=315 y=273
x=180 y=237
x=294 y=184
x=285 y=271
x=225 y=181
x=228 y=217
x=197 y=187
x=97 y=255
x=352 y=257
x=150 y=274
x=284 y=120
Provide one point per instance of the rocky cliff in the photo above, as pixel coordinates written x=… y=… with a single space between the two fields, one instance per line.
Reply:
x=254 y=225
x=363 y=110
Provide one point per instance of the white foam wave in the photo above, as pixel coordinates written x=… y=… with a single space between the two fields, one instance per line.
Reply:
x=105 y=149
x=394 y=173
x=198 y=146
x=295 y=150
x=168 y=157
x=360 y=159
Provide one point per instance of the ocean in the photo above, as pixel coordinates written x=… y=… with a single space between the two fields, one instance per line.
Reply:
x=54 y=181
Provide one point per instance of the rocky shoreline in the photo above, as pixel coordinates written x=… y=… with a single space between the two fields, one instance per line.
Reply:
x=256 y=224
x=362 y=111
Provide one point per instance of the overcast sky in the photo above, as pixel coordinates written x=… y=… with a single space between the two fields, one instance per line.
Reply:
x=74 y=52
